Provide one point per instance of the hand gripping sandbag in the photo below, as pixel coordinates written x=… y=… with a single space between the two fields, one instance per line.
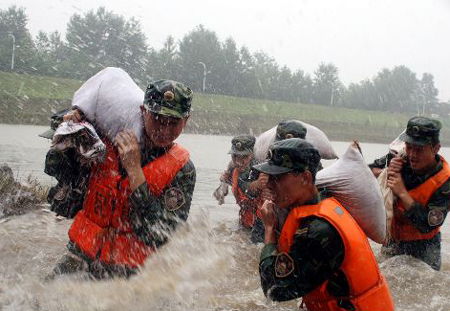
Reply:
x=111 y=101
x=313 y=135
x=352 y=183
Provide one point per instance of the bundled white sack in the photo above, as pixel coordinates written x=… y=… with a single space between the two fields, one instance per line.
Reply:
x=110 y=100
x=352 y=183
x=396 y=147
x=313 y=135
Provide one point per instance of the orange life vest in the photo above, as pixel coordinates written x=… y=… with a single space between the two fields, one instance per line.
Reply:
x=102 y=229
x=248 y=207
x=401 y=228
x=368 y=289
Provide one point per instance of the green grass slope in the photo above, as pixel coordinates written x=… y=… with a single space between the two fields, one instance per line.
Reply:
x=28 y=99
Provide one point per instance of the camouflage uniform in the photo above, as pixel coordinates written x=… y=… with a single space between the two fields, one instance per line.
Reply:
x=426 y=131
x=243 y=145
x=152 y=217
x=66 y=198
x=318 y=250
x=285 y=129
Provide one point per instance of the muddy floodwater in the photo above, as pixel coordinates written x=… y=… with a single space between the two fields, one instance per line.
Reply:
x=208 y=265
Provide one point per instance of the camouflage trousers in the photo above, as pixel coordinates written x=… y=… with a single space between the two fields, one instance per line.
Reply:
x=74 y=261
x=429 y=251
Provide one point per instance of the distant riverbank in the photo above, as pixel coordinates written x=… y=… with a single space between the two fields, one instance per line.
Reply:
x=26 y=99
x=215 y=123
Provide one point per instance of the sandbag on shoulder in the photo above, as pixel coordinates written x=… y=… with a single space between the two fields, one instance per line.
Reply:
x=313 y=135
x=110 y=100
x=352 y=183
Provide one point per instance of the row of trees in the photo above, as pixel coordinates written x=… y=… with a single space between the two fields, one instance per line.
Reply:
x=101 y=38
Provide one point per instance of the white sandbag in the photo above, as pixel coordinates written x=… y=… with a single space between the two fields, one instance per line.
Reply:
x=388 y=200
x=396 y=147
x=110 y=100
x=352 y=183
x=263 y=141
x=313 y=135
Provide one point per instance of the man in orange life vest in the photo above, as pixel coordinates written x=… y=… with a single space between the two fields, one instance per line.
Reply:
x=245 y=190
x=321 y=254
x=138 y=195
x=420 y=181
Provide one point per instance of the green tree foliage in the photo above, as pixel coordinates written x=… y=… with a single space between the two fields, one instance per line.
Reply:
x=266 y=72
x=13 y=22
x=361 y=96
x=101 y=38
x=232 y=69
x=163 y=64
x=327 y=86
x=247 y=83
x=428 y=94
x=396 y=90
x=51 y=53
x=201 y=46
x=302 y=87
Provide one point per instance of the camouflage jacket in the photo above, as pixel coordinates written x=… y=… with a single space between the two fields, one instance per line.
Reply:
x=151 y=218
x=438 y=204
x=317 y=253
x=245 y=179
x=66 y=198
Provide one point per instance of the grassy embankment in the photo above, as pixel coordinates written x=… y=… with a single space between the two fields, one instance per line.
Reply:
x=27 y=99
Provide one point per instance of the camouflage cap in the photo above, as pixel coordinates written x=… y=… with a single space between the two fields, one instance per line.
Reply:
x=290 y=129
x=55 y=120
x=421 y=131
x=242 y=145
x=168 y=98
x=293 y=154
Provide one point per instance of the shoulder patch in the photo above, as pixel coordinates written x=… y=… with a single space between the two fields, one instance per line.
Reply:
x=435 y=217
x=284 y=265
x=173 y=198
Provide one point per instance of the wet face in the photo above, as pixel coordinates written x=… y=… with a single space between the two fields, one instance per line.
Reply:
x=241 y=162
x=162 y=130
x=291 y=188
x=422 y=158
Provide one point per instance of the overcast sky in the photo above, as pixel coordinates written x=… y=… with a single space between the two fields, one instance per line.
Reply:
x=359 y=36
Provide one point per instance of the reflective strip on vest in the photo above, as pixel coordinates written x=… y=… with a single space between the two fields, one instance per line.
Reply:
x=102 y=229
x=402 y=229
x=368 y=289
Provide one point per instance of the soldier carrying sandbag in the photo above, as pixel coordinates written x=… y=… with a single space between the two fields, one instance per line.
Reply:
x=420 y=182
x=321 y=251
x=141 y=189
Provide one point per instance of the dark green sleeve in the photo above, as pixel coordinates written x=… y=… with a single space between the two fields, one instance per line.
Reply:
x=154 y=217
x=382 y=162
x=317 y=252
x=427 y=218
x=244 y=183
x=61 y=164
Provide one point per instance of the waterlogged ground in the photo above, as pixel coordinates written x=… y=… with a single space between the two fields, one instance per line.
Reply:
x=208 y=265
